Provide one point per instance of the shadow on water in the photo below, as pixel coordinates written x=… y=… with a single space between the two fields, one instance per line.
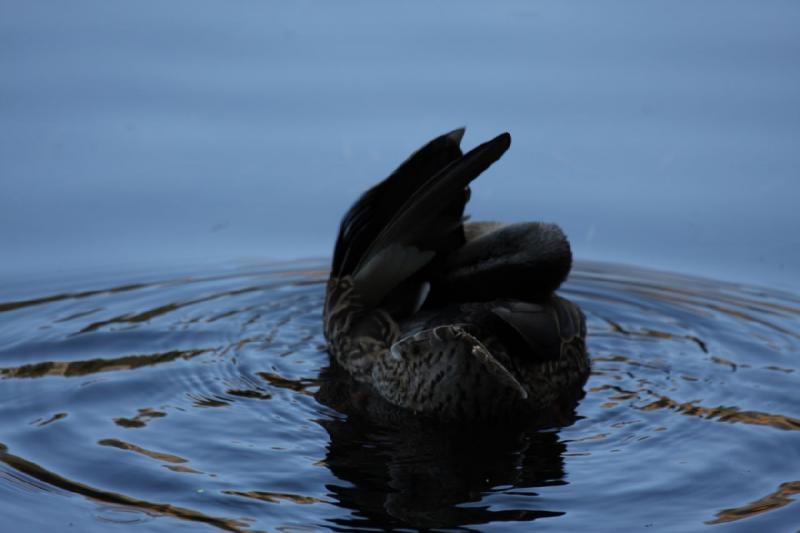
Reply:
x=406 y=472
x=207 y=397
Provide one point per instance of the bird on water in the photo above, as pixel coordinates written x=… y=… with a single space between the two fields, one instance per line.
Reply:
x=450 y=319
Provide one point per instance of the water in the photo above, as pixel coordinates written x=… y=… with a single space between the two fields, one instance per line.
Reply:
x=189 y=399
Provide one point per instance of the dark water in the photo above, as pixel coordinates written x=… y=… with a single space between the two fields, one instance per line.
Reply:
x=187 y=400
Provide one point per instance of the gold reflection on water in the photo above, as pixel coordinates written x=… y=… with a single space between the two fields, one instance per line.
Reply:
x=44 y=475
x=145 y=316
x=132 y=318
x=617 y=328
x=182 y=469
x=730 y=414
x=770 y=502
x=307 y=276
x=617 y=358
x=122 y=445
x=724 y=414
x=753 y=319
x=298 y=385
x=12 y=306
x=93 y=366
x=735 y=305
x=274 y=497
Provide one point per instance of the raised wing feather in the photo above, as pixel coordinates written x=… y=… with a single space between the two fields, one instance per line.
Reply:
x=430 y=220
x=376 y=207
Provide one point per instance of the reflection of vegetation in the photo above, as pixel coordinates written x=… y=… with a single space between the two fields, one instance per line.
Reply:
x=93 y=366
x=44 y=475
x=770 y=502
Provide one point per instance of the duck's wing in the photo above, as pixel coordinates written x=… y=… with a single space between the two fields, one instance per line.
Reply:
x=527 y=261
x=537 y=332
x=445 y=371
x=377 y=206
x=398 y=228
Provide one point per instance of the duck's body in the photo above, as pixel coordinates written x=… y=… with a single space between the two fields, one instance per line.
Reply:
x=455 y=321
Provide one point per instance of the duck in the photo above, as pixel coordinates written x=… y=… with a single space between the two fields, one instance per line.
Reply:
x=449 y=319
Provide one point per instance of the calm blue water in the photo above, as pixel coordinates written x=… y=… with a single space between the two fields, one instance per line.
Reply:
x=657 y=133
x=159 y=370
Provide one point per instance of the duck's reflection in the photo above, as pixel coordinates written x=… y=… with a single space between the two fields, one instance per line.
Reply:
x=399 y=471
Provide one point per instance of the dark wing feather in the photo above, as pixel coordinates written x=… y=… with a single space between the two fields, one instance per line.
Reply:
x=539 y=331
x=414 y=220
x=429 y=222
x=376 y=207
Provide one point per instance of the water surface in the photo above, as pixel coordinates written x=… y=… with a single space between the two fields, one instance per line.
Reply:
x=190 y=399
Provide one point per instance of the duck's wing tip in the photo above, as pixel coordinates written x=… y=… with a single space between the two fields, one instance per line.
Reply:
x=504 y=139
x=456 y=135
x=368 y=216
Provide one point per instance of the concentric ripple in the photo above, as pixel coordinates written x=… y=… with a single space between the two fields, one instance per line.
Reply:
x=195 y=398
